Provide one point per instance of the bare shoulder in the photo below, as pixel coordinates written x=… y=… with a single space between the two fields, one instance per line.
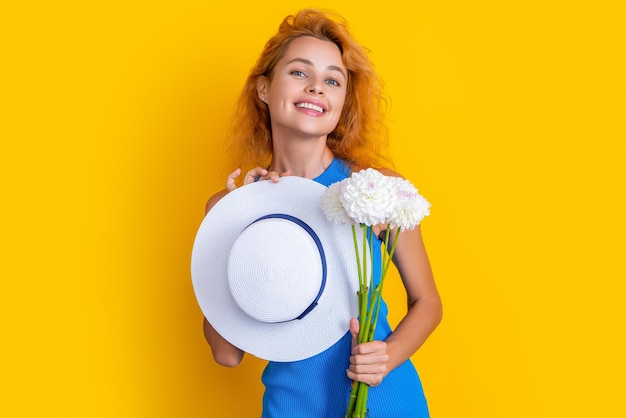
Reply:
x=389 y=172
x=384 y=170
x=214 y=199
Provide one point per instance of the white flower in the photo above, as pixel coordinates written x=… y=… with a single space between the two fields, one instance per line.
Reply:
x=331 y=204
x=369 y=197
x=411 y=207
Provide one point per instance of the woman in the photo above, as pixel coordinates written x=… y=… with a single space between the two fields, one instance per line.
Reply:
x=312 y=107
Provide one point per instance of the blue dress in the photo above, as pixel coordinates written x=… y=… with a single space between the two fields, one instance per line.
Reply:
x=319 y=387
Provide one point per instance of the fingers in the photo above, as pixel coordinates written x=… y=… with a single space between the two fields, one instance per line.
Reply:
x=368 y=363
x=354 y=330
x=257 y=173
x=274 y=176
x=374 y=348
x=230 y=181
x=248 y=178
x=253 y=174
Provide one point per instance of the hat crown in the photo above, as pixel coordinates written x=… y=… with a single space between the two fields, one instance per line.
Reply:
x=276 y=269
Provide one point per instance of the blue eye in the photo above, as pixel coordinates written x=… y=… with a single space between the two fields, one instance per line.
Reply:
x=333 y=82
x=298 y=73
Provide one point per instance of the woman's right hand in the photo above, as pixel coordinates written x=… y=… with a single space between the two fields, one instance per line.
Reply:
x=251 y=176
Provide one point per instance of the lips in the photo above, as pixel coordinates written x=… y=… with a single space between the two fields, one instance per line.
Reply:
x=318 y=107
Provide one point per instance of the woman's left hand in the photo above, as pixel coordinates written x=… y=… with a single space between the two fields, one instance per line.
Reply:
x=368 y=362
x=251 y=176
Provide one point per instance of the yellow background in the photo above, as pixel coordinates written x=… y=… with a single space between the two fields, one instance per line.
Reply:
x=508 y=116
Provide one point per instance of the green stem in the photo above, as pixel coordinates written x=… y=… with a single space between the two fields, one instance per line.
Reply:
x=386 y=257
x=361 y=403
x=386 y=264
x=363 y=290
x=377 y=310
x=369 y=304
x=393 y=249
x=353 y=396
x=356 y=250
x=370 y=297
x=364 y=229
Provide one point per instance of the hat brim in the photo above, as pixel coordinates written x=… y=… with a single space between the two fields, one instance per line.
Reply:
x=285 y=341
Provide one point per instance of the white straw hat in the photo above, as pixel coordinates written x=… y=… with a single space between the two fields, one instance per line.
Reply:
x=271 y=274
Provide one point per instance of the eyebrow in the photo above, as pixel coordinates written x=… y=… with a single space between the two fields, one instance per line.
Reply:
x=308 y=62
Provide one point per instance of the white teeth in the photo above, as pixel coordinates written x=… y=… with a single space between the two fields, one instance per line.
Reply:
x=310 y=106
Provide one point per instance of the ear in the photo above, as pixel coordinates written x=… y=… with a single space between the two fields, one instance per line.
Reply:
x=261 y=87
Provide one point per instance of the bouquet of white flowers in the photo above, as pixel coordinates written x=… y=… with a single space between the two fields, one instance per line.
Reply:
x=366 y=199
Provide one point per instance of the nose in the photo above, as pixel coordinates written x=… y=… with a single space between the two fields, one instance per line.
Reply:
x=315 y=88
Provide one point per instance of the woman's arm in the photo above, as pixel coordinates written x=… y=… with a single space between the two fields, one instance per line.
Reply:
x=224 y=353
x=424 y=310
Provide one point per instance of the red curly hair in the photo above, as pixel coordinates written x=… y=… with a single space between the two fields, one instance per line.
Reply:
x=360 y=137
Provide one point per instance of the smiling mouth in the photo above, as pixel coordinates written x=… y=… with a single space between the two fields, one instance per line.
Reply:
x=310 y=106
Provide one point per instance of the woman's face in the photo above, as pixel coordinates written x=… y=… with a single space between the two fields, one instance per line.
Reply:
x=308 y=89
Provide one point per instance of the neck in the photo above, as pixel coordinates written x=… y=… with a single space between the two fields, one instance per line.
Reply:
x=304 y=158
